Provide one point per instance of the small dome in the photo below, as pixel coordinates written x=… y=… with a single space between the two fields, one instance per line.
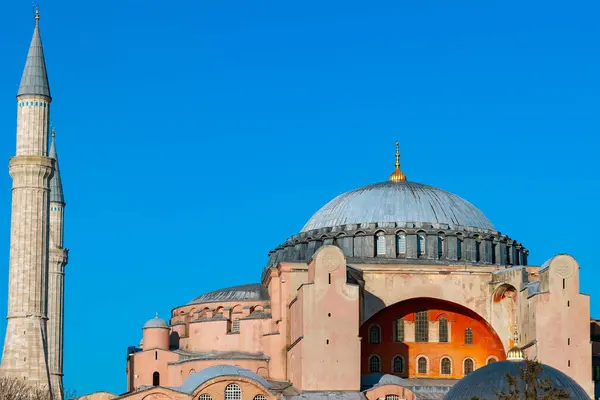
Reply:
x=156 y=323
x=485 y=382
x=250 y=292
x=399 y=201
x=515 y=354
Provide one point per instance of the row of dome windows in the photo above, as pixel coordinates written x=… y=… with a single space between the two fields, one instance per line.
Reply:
x=421 y=330
x=32 y=103
x=398 y=365
x=381 y=247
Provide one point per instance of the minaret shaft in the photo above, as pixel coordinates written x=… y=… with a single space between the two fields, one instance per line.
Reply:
x=56 y=279
x=25 y=354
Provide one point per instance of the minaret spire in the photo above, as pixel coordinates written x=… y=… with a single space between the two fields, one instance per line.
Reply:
x=397 y=175
x=56 y=191
x=35 y=78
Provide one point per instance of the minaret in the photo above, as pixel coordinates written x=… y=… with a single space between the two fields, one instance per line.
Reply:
x=25 y=345
x=56 y=278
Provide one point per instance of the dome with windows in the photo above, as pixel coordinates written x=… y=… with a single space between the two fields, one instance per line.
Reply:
x=399 y=202
x=399 y=221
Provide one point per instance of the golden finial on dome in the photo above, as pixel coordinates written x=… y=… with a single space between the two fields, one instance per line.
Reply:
x=515 y=354
x=397 y=175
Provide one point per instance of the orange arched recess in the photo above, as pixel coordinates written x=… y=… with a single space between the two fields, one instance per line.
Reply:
x=469 y=337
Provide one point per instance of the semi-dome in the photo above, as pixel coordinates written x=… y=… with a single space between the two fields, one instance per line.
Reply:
x=399 y=201
x=485 y=382
x=197 y=379
x=250 y=292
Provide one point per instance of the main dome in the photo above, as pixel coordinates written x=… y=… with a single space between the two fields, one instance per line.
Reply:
x=401 y=201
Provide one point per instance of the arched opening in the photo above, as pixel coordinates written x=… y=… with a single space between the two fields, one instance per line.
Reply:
x=430 y=328
x=422 y=365
x=401 y=244
x=233 y=392
x=155 y=379
x=446 y=366
x=468 y=366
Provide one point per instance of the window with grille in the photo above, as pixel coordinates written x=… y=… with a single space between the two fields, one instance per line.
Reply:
x=401 y=239
x=420 y=245
x=478 y=251
x=374 y=364
x=468 y=367
x=421 y=327
x=440 y=246
x=233 y=392
x=260 y=397
x=491 y=360
x=398 y=365
x=468 y=336
x=443 y=330
x=235 y=325
x=459 y=244
x=422 y=365
x=446 y=366
x=392 y=397
x=374 y=335
x=399 y=330
x=205 y=396
x=381 y=245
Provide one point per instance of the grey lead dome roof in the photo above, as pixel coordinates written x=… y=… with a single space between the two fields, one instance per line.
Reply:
x=398 y=202
x=250 y=292
x=485 y=382
x=198 y=378
x=156 y=323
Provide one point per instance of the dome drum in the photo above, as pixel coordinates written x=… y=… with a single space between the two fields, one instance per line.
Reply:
x=397 y=243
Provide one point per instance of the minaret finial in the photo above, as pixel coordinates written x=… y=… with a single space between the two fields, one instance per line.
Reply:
x=156 y=315
x=37 y=15
x=397 y=175
x=52 y=131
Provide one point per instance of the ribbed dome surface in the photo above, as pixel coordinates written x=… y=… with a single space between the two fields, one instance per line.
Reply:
x=399 y=202
x=249 y=292
x=485 y=382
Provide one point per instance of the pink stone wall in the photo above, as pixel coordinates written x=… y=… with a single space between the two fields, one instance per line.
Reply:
x=156 y=338
x=330 y=346
x=380 y=392
x=145 y=363
x=562 y=322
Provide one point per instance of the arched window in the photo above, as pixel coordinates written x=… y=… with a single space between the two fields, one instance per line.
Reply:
x=392 y=397
x=260 y=397
x=440 y=247
x=401 y=243
x=374 y=363
x=399 y=330
x=468 y=366
x=205 y=396
x=374 y=334
x=443 y=330
x=421 y=327
x=468 y=336
x=380 y=245
x=491 y=360
x=459 y=244
x=446 y=366
x=420 y=245
x=421 y=365
x=155 y=379
x=477 y=249
x=233 y=392
x=398 y=365
x=235 y=325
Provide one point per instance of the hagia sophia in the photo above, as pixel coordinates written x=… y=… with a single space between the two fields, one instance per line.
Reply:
x=394 y=290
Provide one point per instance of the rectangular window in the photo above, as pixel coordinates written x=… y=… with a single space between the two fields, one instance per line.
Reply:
x=235 y=325
x=422 y=327
x=399 y=330
x=440 y=247
x=402 y=244
x=420 y=245
x=381 y=245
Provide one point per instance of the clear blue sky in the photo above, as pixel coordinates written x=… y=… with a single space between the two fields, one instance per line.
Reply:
x=195 y=136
